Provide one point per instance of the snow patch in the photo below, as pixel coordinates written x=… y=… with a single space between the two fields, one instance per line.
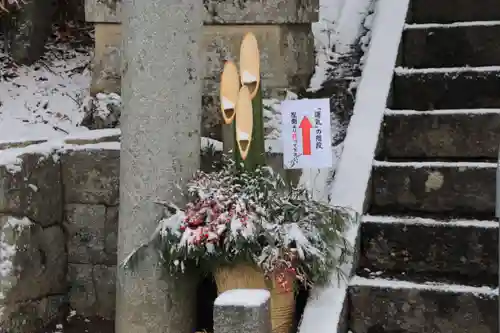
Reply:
x=251 y=298
x=274 y=146
x=446 y=70
x=94 y=134
x=434 y=286
x=12 y=226
x=12 y=161
x=92 y=146
x=336 y=32
x=102 y=102
x=44 y=100
x=209 y=143
x=324 y=309
x=319 y=181
x=429 y=222
x=442 y=112
x=272 y=115
x=451 y=25
x=436 y=164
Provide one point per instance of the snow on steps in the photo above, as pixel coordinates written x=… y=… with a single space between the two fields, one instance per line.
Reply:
x=446 y=188
x=451 y=45
x=441 y=134
x=326 y=311
x=446 y=70
x=449 y=11
x=390 y=112
x=459 y=251
x=396 y=306
x=425 y=26
x=446 y=88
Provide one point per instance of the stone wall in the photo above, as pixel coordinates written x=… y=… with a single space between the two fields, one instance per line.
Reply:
x=58 y=227
x=282 y=28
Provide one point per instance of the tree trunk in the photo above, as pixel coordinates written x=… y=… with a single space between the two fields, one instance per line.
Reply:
x=30 y=27
x=161 y=90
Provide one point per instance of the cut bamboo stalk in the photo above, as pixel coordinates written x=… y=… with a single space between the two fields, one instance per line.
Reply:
x=250 y=64
x=244 y=122
x=229 y=89
x=257 y=154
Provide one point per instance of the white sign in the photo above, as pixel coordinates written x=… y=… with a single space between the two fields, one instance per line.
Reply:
x=306 y=134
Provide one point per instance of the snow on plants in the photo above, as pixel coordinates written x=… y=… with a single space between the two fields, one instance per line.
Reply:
x=5 y=5
x=253 y=217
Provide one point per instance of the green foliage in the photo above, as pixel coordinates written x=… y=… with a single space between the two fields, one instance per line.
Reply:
x=252 y=217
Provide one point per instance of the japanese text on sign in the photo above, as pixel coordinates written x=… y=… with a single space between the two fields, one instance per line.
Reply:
x=306 y=133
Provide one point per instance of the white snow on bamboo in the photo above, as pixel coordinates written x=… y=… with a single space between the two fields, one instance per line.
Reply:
x=243 y=135
x=227 y=104
x=247 y=77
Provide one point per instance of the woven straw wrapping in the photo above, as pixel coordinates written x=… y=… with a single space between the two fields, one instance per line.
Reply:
x=250 y=277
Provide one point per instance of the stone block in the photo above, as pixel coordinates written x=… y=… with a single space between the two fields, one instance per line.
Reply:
x=86 y=230
x=421 y=310
x=105 y=288
x=430 y=91
x=451 y=47
x=449 y=11
x=286 y=62
x=453 y=190
x=91 y=176
x=32 y=187
x=39 y=264
x=82 y=292
x=465 y=254
x=111 y=233
x=287 y=53
x=242 y=310
x=33 y=315
x=226 y=11
x=106 y=64
x=416 y=136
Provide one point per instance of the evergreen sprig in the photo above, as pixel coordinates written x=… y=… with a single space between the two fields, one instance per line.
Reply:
x=252 y=217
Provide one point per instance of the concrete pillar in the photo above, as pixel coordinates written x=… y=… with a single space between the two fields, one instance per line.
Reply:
x=160 y=148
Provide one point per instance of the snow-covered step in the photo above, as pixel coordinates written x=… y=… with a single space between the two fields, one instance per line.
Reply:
x=392 y=306
x=459 y=251
x=472 y=134
x=448 y=11
x=464 y=189
x=451 y=45
x=446 y=88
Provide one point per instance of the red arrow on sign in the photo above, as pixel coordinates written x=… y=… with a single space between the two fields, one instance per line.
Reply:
x=306 y=126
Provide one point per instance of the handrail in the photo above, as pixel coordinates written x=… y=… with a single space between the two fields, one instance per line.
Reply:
x=326 y=309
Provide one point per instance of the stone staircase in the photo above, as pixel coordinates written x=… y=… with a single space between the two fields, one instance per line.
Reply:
x=428 y=258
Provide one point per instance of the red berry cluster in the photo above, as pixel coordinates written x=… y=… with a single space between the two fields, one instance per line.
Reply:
x=285 y=278
x=207 y=220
